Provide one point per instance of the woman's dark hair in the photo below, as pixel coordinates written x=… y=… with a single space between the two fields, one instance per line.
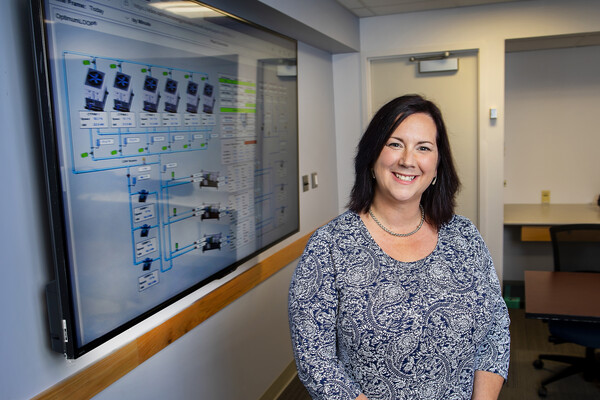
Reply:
x=438 y=200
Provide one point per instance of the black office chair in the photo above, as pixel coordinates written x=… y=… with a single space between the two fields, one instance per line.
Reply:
x=576 y=248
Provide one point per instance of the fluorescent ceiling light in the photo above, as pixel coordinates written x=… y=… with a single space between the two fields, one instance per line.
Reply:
x=187 y=9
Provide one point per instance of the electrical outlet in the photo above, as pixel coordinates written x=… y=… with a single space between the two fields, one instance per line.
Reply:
x=545 y=197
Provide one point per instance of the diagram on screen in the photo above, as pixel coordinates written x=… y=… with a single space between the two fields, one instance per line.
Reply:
x=188 y=173
x=170 y=178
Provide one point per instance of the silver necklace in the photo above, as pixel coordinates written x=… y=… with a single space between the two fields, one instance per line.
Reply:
x=399 y=234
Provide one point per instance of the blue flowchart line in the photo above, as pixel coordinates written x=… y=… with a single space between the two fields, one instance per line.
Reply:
x=143 y=64
x=179 y=219
x=120 y=133
x=155 y=132
x=163 y=265
x=183 y=250
x=134 y=229
x=145 y=153
x=189 y=181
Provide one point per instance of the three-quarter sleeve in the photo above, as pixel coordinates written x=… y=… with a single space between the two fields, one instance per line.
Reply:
x=313 y=312
x=493 y=350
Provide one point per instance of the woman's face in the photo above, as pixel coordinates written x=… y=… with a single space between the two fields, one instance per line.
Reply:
x=408 y=162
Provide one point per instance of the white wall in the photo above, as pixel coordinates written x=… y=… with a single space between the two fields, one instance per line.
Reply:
x=235 y=354
x=484 y=28
x=551 y=138
x=348 y=123
x=23 y=246
x=332 y=19
x=238 y=352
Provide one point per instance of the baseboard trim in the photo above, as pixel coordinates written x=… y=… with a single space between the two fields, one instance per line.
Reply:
x=282 y=382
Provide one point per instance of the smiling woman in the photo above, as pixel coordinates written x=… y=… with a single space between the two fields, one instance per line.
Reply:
x=438 y=200
x=398 y=298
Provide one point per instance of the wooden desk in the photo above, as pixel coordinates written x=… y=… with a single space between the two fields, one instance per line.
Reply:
x=551 y=214
x=535 y=219
x=573 y=296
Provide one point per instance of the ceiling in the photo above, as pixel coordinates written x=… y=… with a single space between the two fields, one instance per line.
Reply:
x=372 y=8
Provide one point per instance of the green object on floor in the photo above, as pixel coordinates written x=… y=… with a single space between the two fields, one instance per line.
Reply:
x=512 y=302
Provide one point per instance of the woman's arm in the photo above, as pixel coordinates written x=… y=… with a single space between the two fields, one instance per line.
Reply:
x=313 y=310
x=486 y=385
x=493 y=353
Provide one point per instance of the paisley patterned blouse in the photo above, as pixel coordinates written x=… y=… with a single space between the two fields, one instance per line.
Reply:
x=363 y=322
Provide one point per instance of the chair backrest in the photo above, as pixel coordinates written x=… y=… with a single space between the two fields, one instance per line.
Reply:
x=576 y=247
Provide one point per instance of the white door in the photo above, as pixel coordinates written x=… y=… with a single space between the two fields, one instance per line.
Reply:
x=455 y=93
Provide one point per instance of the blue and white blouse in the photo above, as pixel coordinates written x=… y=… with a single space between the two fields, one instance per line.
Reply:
x=363 y=322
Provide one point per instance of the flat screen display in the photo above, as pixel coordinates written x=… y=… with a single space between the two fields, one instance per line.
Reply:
x=170 y=140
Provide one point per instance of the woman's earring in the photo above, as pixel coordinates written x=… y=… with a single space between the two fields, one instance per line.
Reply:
x=434 y=180
x=373 y=173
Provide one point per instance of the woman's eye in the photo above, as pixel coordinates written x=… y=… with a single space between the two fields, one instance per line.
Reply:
x=394 y=145
x=424 y=148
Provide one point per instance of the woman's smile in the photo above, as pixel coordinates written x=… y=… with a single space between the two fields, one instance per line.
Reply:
x=404 y=178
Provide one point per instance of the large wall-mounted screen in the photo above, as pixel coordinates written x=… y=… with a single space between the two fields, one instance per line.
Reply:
x=170 y=140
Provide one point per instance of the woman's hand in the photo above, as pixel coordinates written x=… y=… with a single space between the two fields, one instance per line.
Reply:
x=362 y=397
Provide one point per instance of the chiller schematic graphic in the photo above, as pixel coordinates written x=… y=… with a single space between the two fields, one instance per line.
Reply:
x=147 y=137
